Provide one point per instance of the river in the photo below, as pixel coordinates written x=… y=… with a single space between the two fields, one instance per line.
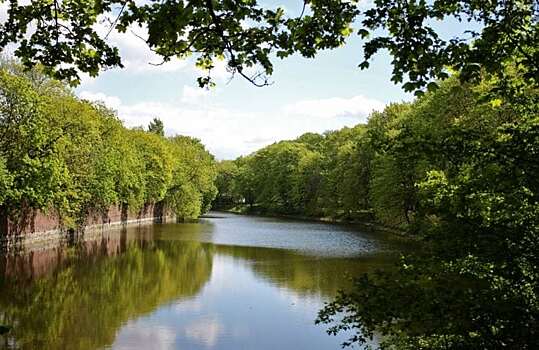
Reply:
x=224 y=282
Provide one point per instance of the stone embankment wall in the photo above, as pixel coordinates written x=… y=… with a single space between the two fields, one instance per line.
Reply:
x=43 y=259
x=38 y=225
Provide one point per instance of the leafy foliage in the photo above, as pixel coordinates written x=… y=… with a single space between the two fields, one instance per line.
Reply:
x=63 y=35
x=227 y=172
x=244 y=32
x=503 y=32
x=476 y=199
x=72 y=157
x=156 y=126
x=458 y=170
x=315 y=175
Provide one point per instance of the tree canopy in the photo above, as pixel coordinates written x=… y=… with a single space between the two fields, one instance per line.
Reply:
x=456 y=170
x=64 y=36
x=157 y=127
x=71 y=157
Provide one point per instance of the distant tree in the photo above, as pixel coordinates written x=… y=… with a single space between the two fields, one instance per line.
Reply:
x=227 y=172
x=193 y=178
x=312 y=140
x=457 y=170
x=156 y=126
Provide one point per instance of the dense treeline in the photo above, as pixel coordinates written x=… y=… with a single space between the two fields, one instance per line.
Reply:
x=314 y=175
x=70 y=157
x=458 y=168
x=379 y=170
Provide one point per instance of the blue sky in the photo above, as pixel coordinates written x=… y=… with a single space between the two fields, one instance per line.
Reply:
x=308 y=95
x=237 y=118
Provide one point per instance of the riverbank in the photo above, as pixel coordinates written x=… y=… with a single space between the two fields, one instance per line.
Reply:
x=39 y=240
x=371 y=225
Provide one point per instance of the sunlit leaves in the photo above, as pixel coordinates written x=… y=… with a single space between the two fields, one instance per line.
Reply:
x=420 y=54
x=472 y=162
x=61 y=154
x=62 y=35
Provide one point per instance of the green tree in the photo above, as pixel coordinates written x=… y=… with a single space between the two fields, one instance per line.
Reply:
x=307 y=183
x=245 y=180
x=27 y=148
x=157 y=159
x=473 y=284
x=277 y=176
x=75 y=159
x=345 y=173
x=5 y=181
x=192 y=189
x=227 y=192
x=354 y=168
x=157 y=127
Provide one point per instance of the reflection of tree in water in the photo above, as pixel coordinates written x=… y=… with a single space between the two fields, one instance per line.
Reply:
x=305 y=274
x=301 y=273
x=78 y=297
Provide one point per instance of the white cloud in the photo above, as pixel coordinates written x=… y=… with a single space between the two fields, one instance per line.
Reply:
x=110 y=101
x=142 y=336
x=356 y=107
x=205 y=331
x=189 y=305
x=138 y=58
x=86 y=80
x=229 y=133
x=135 y=53
x=219 y=71
x=3 y=11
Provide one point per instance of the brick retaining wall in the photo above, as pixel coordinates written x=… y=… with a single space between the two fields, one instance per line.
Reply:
x=38 y=224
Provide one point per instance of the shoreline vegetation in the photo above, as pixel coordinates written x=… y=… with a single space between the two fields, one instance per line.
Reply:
x=457 y=170
x=73 y=160
x=245 y=210
x=386 y=172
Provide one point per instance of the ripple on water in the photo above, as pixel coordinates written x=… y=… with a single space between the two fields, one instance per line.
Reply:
x=313 y=238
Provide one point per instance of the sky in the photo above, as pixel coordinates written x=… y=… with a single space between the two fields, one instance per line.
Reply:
x=237 y=118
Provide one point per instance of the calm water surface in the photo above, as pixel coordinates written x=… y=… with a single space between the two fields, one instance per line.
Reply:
x=226 y=282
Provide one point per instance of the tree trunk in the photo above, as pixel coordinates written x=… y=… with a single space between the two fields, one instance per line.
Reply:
x=3 y=222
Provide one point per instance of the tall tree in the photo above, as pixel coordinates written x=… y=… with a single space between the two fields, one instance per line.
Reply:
x=74 y=158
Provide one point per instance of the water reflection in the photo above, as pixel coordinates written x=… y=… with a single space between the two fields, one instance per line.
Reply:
x=180 y=286
x=303 y=274
x=76 y=298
